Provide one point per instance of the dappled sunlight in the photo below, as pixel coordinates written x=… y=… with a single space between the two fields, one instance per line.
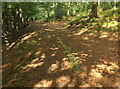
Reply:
x=81 y=31
x=111 y=39
x=95 y=74
x=5 y=65
x=80 y=60
x=74 y=53
x=85 y=38
x=63 y=81
x=65 y=65
x=41 y=31
x=85 y=85
x=35 y=60
x=53 y=67
x=116 y=34
x=35 y=34
x=114 y=37
x=111 y=24
x=10 y=46
x=39 y=39
x=45 y=24
x=44 y=83
x=21 y=40
x=72 y=82
x=33 y=42
x=104 y=34
x=27 y=37
x=101 y=74
x=84 y=68
x=83 y=75
x=43 y=56
x=65 y=59
x=54 y=49
x=24 y=41
x=87 y=45
x=49 y=30
x=34 y=63
x=69 y=35
x=93 y=34
x=53 y=54
x=38 y=52
x=27 y=55
x=84 y=55
x=108 y=67
x=56 y=56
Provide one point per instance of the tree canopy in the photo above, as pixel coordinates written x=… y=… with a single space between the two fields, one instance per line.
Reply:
x=17 y=15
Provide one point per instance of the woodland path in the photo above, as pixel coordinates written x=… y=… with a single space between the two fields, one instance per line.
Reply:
x=40 y=61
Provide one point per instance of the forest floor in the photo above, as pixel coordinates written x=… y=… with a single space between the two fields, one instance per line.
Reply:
x=39 y=60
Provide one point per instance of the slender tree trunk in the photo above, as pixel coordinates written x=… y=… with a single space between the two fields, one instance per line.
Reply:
x=68 y=12
x=94 y=10
x=14 y=29
x=48 y=15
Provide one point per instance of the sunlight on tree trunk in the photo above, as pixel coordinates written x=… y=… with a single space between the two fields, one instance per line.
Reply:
x=68 y=12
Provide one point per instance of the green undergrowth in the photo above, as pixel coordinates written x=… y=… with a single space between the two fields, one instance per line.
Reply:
x=70 y=56
x=25 y=45
x=78 y=22
x=107 y=20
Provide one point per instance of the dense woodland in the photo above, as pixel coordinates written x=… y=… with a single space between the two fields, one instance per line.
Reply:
x=17 y=15
x=60 y=44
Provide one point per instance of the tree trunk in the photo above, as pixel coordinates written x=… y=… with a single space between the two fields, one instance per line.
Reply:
x=68 y=12
x=94 y=10
x=48 y=15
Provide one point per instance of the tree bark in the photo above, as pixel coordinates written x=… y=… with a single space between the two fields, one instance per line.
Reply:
x=68 y=12
x=94 y=10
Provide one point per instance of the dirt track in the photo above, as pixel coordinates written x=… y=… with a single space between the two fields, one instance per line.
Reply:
x=97 y=55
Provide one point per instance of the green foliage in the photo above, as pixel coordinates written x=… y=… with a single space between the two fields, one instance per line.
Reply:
x=98 y=27
x=74 y=19
x=111 y=13
x=71 y=57
x=105 y=5
x=33 y=43
x=79 y=22
x=76 y=67
x=15 y=17
x=60 y=11
x=21 y=46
